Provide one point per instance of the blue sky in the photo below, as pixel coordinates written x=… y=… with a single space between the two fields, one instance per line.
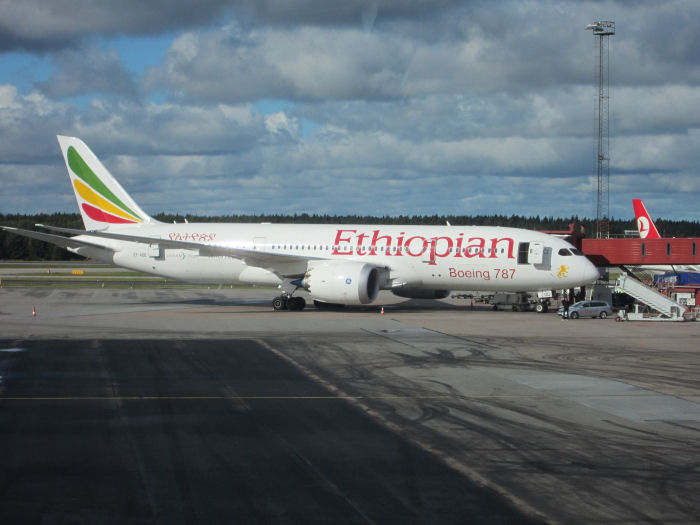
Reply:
x=370 y=107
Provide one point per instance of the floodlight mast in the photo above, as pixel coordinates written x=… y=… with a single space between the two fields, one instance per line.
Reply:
x=603 y=30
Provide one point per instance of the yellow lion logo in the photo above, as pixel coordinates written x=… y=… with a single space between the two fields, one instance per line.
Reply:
x=563 y=271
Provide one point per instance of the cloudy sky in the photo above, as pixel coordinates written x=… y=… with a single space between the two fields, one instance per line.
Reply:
x=380 y=107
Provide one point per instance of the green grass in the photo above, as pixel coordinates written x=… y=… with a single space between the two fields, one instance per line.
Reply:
x=114 y=283
x=95 y=276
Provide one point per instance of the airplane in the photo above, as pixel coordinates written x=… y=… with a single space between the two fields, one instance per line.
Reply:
x=337 y=264
x=647 y=230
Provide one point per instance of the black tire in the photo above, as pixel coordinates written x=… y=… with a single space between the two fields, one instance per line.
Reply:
x=296 y=303
x=603 y=315
x=573 y=315
x=279 y=303
x=540 y=308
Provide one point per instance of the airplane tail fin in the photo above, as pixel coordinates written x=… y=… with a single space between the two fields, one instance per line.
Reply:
x=645 y=225
x=101 y=199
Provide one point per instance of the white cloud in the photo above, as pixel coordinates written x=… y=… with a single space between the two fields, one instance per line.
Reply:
x=281 y=124
x=467 y=107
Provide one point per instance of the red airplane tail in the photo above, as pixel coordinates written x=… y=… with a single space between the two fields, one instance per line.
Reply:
x=645 y=225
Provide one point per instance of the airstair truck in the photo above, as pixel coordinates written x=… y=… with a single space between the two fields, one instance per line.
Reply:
x=669 y=310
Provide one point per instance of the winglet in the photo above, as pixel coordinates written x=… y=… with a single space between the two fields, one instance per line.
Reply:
x=101 y=199
x=645 y=225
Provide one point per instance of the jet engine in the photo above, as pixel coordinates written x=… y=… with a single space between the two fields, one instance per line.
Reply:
x=420 y=293
x=342 y=282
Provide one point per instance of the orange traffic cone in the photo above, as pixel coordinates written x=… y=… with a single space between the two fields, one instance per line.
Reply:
x=382 y=311
x=33 y=311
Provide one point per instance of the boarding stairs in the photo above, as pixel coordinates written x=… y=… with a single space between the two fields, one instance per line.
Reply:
x=669 y=310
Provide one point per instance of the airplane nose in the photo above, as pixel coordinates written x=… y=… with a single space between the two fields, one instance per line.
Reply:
x=590 y=272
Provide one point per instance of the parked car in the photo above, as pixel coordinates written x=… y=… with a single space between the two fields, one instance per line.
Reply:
x=600 y=309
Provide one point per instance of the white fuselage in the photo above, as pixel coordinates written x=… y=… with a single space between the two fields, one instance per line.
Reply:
x=417 y=257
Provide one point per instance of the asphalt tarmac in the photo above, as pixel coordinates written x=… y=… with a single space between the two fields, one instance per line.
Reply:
x=214 y=431
x=204 y=406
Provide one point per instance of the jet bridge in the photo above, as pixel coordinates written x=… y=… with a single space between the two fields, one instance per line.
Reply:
x=669 y=310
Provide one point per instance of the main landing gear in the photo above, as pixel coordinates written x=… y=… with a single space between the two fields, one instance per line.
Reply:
x=288 y=302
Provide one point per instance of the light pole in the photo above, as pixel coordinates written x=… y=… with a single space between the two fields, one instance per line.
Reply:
x=603 y=30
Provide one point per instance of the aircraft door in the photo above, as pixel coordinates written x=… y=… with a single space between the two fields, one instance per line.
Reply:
x=156 y=251
x=536 y=253
x=532 y=253
x=523 y=252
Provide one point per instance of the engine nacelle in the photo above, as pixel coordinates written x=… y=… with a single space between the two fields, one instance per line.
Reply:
x=342 y=282
x=420 y=293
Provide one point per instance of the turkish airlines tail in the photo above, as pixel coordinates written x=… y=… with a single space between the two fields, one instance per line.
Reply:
x=645 y=225
x=101 y=199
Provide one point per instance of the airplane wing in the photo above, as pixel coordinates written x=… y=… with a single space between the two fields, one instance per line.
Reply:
x=284 y=265
x=59 y=240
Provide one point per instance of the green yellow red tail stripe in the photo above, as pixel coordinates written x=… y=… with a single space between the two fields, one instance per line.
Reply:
x=101 y=204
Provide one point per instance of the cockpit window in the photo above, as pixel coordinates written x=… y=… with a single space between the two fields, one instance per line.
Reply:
x=564 y=252
x=576 y=252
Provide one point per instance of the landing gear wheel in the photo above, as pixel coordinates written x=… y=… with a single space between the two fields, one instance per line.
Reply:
x=279 y=303
x=296 y=303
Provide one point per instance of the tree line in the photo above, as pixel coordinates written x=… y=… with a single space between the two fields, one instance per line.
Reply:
x=16 y=247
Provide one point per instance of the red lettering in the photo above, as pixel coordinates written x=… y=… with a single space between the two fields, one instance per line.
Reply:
x=194 y=237
x=458 y=249
x=399 y=244
x=339 y=239
x=375 y=238
x=360 y=248
x=484 y=275
x=408 y=246
x=433 y=248
x=354 y=242
x=494 y=244
x=479 y=247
